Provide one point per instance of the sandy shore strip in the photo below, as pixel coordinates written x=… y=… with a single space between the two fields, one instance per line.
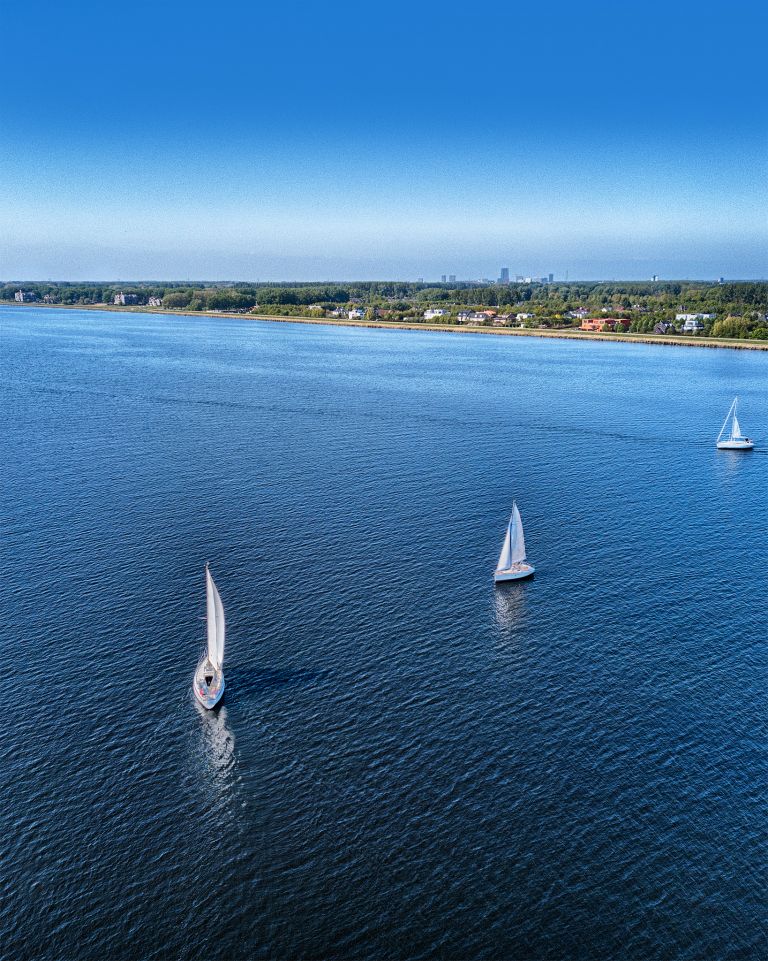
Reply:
x=656 y=339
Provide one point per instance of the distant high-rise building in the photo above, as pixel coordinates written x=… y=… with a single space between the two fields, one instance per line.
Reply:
x=451 y=278
x=519 y=279
x=721 y=280
x=655 y=277
x=504 y=276
x=421 y=280
x=442 y=278
x=551 y=278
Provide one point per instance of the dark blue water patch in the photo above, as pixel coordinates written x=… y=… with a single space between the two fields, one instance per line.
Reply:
x=409 y=763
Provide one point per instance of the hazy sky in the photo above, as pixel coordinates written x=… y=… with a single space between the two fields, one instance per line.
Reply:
x=338 y=140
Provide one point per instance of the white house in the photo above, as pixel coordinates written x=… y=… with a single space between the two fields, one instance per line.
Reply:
x=24 y=296
x=524 y=316
x=434 y=312
x=687 y=317
x=155 y=302
x=357 y=313
x=692 y=325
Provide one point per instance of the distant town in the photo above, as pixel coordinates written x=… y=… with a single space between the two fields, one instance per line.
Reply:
x=717 y=309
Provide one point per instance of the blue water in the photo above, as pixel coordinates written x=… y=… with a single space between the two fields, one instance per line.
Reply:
x=409 y=763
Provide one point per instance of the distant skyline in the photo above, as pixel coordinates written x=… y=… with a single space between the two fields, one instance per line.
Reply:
x=254 y=143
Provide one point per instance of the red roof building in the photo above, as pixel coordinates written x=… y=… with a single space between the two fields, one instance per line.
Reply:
x=597 y=323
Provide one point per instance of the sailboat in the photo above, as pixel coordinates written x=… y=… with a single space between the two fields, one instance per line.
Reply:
x=208 y=682
x=730 y=437
x=512 y=565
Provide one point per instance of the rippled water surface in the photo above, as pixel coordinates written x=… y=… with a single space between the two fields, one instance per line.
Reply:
x=409 y=763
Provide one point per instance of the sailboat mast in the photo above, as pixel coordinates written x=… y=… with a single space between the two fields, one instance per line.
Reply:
x=728 y=416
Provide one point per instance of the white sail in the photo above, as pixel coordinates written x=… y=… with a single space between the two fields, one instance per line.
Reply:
x=735 y=429
x=215 y=618
x=513 y=548
x=220 y=627
x=505 y=558
x=517 y=539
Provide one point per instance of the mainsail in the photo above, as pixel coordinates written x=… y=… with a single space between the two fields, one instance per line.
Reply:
x=215 y=618
x=513 y=548
x=518 y=541
x=735 y=429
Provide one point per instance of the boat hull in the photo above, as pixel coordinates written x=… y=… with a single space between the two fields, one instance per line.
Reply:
x=513 y=574
x=207 y=692
x=208 y=701
x=735 y=445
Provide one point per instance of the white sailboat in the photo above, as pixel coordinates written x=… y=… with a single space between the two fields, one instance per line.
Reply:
x=208 y=682
x=512 y=564
x=730 y=436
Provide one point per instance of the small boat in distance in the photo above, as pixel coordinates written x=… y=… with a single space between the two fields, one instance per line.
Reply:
x=208 y=682
x=730 y=436
x=512 y=565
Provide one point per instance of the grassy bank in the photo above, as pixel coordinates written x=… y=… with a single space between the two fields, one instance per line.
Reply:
x=658 y=339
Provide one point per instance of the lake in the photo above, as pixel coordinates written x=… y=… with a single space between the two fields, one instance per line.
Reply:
x=409 y=763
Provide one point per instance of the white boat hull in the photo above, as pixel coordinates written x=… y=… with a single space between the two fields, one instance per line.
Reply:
x=735 y=445
x=208 y=701
x=516 y=573
x=207 y=695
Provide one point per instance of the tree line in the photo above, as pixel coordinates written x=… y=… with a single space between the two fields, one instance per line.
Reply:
x=738 y=309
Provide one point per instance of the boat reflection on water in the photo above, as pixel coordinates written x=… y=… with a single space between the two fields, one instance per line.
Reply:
x=510 y=603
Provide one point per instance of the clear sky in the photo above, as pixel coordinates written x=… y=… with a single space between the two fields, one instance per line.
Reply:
x=253 y=141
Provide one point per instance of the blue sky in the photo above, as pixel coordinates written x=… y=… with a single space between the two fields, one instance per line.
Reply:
x=323 y=141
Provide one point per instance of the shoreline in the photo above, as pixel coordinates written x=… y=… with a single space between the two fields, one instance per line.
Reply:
x=585 y=337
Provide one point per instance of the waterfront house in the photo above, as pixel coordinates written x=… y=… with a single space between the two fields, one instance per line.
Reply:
x=357 y=313
x=24 y=297
x=155 y=301
x=698 y=316
x=597 y=323
x=122 y=299
x=433 y=312
x=692 y=326
x=665 y=327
